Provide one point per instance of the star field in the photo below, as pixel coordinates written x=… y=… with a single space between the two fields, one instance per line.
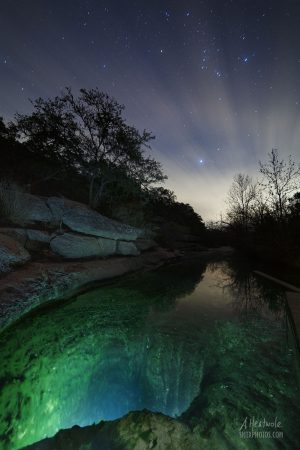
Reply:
x=217 y=82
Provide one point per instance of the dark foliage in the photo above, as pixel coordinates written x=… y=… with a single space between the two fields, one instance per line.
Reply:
x=82 y=148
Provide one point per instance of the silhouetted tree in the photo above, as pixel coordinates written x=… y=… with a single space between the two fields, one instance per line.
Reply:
x=294 y=205
x=240 y=200
x=88 y=133
x=3 y=128
x=281 y=179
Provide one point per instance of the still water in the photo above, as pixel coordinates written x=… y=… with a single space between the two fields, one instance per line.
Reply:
x=207 y=341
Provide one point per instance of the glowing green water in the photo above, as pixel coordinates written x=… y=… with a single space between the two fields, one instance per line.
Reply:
x=209 y=333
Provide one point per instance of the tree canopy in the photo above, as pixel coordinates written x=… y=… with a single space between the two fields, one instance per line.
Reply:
x=89 y=133
x=281 y=179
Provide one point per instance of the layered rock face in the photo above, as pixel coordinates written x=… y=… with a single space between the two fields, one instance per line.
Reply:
x=70 y=230
x=81 y=219
x=70 y=245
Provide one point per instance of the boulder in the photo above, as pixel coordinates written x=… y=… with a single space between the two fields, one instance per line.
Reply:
x=127 y=248
x=69 y=245
x=82 y=219
x=30 y=209
x=59 y=207
x=145 y=244
x=12 y=253
x=37 y=240
x=32 y=240
x=138 y=430
x=18 y=234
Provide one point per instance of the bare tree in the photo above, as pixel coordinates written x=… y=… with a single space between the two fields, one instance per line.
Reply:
x=240 y=199
x=260 y=208
x=281 y=179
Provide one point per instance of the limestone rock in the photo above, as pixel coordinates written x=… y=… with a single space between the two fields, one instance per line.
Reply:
x=60 y=206
x=32 y=240
x=30 y=209
x=37 y=240
x=12 y=253
x=127 y=248
x=70 y=245
x=18 y=234
x=145 y=244
x=139 y=430
x=82 y=219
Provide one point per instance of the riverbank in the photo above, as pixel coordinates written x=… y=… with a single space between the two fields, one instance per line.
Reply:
x=40 y=283
x=44 y=282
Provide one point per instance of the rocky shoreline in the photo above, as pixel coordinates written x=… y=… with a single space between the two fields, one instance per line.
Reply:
x=52 y=249
x=38 y=283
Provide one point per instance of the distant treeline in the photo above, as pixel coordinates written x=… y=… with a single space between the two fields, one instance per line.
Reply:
x=263 y=216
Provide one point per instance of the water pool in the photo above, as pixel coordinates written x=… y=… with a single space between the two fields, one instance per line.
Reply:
x=207 y=341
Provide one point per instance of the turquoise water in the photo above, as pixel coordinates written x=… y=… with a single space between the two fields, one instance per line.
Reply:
x=207 y=341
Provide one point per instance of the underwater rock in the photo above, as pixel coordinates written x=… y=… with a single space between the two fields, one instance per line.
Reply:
x=70 y=245
x=138 y=430
x=12 y=253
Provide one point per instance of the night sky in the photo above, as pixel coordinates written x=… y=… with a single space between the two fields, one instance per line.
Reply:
x=217 y=82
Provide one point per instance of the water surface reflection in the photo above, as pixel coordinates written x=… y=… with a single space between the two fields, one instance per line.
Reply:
x=155 y=341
